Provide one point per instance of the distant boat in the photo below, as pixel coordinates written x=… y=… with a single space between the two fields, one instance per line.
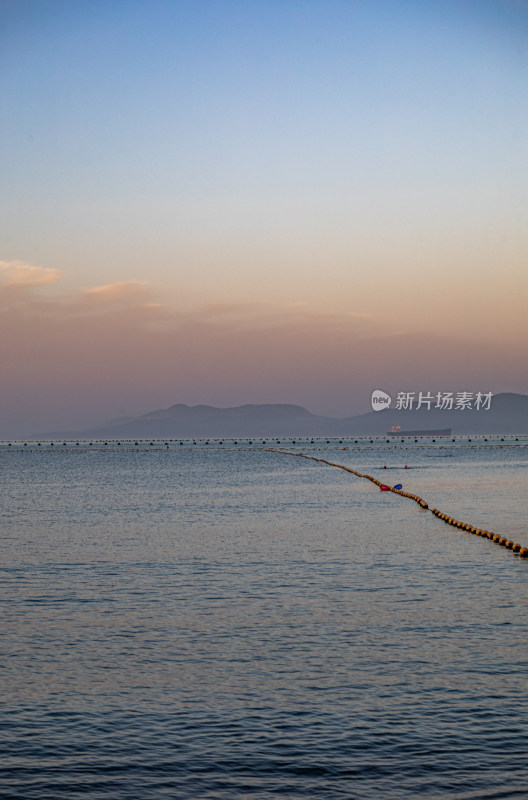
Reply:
x=397 y=431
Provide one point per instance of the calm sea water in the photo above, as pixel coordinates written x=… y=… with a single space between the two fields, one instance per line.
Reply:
x=218 y=621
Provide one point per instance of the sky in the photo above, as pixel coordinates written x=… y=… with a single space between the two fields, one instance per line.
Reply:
x=253 y=201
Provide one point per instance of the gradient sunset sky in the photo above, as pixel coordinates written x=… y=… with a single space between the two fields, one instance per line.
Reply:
x=233 y=201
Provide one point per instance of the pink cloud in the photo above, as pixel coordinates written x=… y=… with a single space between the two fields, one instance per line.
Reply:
x=20 y=274
x=124 y=293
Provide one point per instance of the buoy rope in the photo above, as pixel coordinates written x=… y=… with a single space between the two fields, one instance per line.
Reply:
x=494 y=537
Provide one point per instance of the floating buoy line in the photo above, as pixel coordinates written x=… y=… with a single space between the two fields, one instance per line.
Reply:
x=155 y=446
x=503 y=541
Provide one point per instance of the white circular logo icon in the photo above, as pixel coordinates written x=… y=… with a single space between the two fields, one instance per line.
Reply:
x=380 y=400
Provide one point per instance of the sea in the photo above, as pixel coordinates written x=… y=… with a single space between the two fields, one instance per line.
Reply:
x=212 y=619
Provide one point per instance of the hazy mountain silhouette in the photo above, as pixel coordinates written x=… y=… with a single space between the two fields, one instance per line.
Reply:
x=508 y=414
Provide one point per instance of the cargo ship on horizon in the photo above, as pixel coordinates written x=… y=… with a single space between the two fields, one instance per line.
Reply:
x=397 y=431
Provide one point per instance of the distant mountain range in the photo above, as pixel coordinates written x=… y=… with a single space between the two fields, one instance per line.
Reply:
x=508 y=414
